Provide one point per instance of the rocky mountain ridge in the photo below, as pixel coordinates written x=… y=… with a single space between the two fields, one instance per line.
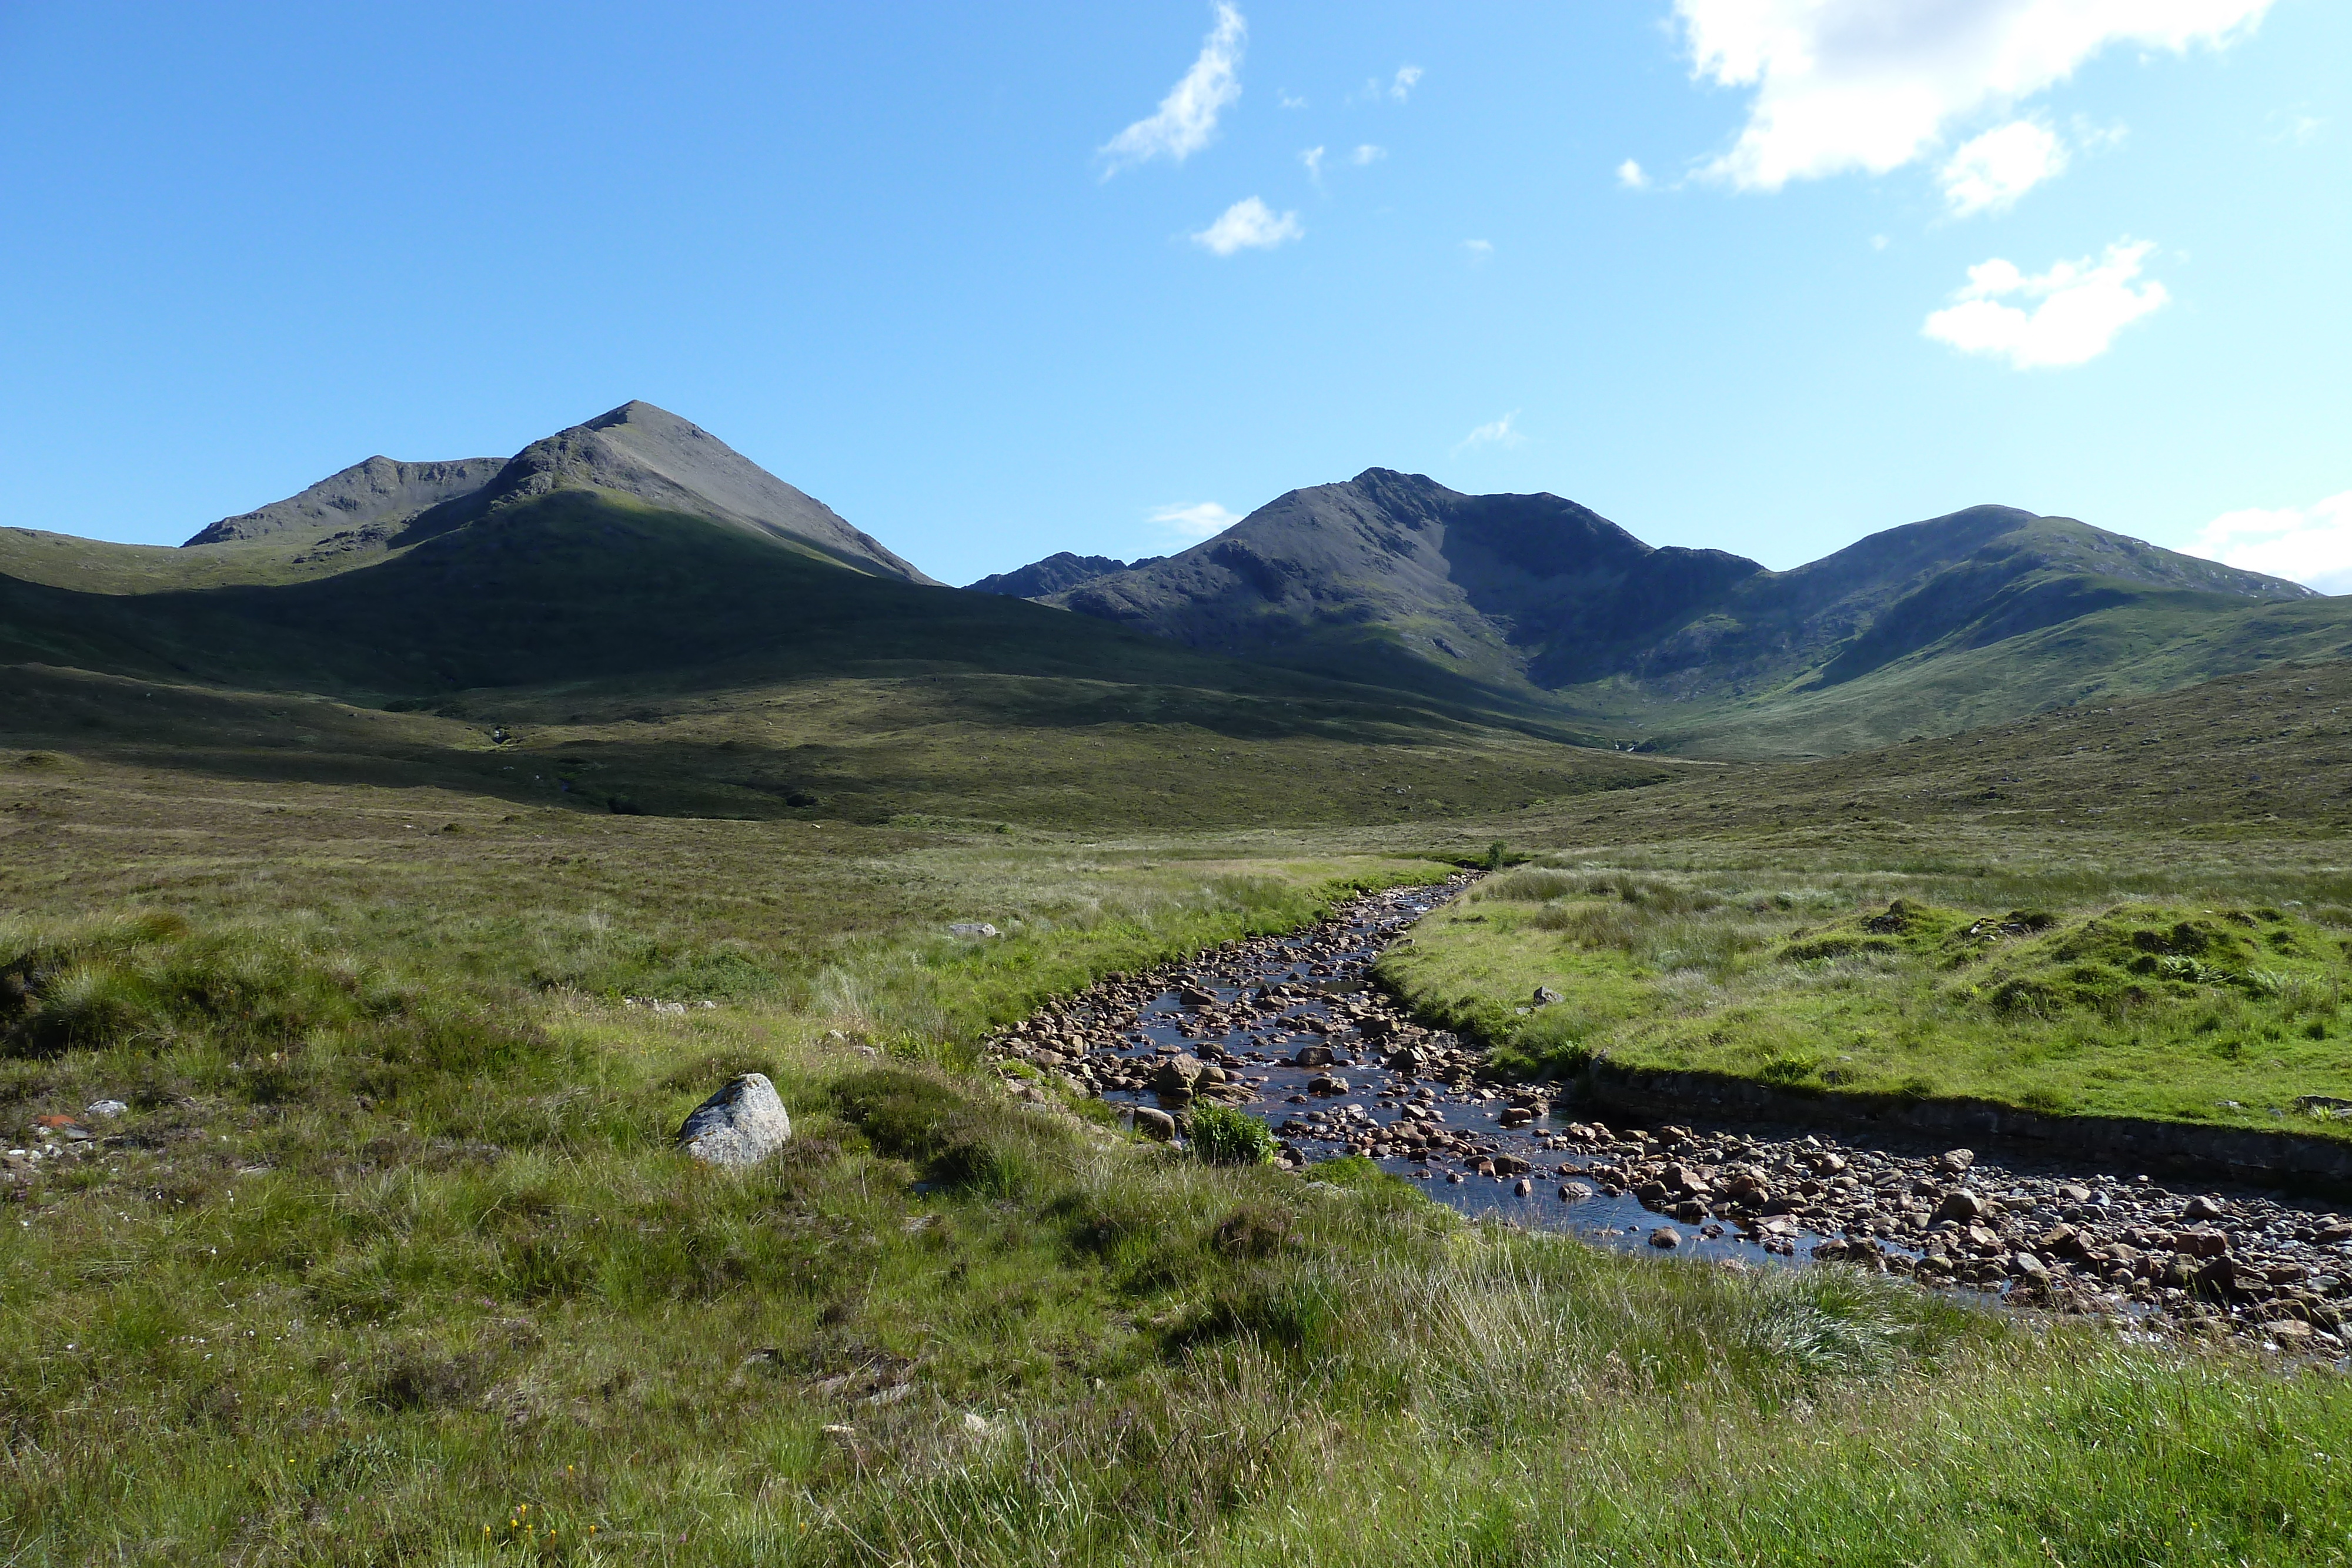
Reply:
x=636 y=451
x=1538 y=597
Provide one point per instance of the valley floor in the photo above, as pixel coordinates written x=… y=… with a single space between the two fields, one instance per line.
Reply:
x=387 y=1256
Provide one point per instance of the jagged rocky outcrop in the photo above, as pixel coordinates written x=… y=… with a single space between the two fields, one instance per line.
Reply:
x=1057 y=573
x=379 y=494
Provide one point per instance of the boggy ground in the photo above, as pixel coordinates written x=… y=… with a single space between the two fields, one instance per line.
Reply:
x=1285 y=1021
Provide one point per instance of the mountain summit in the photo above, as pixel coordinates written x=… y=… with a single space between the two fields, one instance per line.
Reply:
x=637 y=451
x=1534 y=600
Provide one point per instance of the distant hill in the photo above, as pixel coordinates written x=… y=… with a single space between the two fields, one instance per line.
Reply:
x=1055 y=574
x=652 y=455
x=637 y=550
x=381 y=509
x=1534 y=599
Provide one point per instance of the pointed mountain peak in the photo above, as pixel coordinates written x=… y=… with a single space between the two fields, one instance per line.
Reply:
x=636 y=450
x=640 y=450
x=638 y=411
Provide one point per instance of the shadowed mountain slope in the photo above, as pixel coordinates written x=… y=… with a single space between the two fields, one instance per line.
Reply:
x=381 y=509
x=652 y=455
x=1055 y=574
x=1391 y=569
x=1536 y=600
x=570 y=584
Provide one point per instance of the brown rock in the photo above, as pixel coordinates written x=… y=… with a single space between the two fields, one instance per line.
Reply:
x=1961 y=1204
x=1179 y=1072
x=2200 y=1243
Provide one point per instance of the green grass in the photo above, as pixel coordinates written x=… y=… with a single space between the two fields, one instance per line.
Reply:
x=395 y=1245
x=430 y=1284
x=2167 y=1010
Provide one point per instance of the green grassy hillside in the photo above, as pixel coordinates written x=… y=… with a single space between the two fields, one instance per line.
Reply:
x=2150 y=642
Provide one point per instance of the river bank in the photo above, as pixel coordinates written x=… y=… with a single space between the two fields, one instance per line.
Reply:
x=1289 y=1028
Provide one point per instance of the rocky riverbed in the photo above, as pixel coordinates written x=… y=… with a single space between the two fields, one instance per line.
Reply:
x=1289 y=1028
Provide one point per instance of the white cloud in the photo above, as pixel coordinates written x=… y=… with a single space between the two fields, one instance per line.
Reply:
x=1503 y=432
x=1629 y=175
x=1479 y=249
x=1367 y=153
x=1288 y=101
x=2090 y=136
x=1991 y=171
x=1249 y=224
x=1195 y=520
x=1878 y=242
x=1406 y=78
x=1873 y=83
x=1313 y=159
x=2311 y=545
x=1187 y=117
x=2080 y=306
x=2297 y=125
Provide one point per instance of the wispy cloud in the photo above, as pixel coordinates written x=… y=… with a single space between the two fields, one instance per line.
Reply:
x=1313 y=159
x=1195 y=520
x=1367 y=153
x=1479 y=249
x=1874 y=85
x=1503 y=432
x=2297 y=125
x=1249 y=224
x=1629 y=175
x=1990 y=171
x=1406 y=79
x=2311 y=545
x=1287 y=101
x=2078 y=308
x=1187 y=117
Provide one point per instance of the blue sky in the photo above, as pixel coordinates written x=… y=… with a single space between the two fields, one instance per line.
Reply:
x=999 y=281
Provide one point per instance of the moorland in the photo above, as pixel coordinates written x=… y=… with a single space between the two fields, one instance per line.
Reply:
x=348 y=881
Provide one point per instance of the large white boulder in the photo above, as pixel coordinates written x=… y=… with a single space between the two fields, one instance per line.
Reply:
x=741 y=1124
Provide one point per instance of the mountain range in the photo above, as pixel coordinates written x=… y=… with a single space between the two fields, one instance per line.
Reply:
x=1535 y=601
x=637 y=547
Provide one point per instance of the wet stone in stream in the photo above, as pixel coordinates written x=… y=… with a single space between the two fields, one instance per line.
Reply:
x=1287 y=1027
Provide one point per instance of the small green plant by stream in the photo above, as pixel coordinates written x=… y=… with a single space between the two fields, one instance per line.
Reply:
x=2196 y=1010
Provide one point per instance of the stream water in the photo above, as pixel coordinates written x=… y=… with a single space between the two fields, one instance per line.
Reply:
x=1301 y=1040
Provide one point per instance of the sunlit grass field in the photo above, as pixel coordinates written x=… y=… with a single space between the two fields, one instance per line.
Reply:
x=2189 y=1004
x=390 y=1259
